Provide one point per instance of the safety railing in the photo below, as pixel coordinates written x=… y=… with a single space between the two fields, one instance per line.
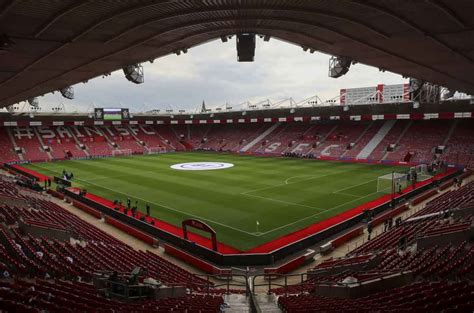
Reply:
x=275 y=280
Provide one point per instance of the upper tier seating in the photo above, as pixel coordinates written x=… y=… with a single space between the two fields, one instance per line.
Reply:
x=150 y=137
x=7 y=152
x=391 y=138
x=364 y=140
x=287 y=138
x=460 y=147
x=421 y=138
x=415 y=140
x=60 y=140
x=123 y=138
x=170 y=137
x=25 y=138
x=337 y=141
x=233 y=137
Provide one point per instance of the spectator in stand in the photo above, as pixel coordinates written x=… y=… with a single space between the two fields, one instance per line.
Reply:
x=369 y=230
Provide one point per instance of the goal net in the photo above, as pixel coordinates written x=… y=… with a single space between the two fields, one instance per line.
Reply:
x=421 y=171
x=155 y=150
x=122 y=152
x=397 y=180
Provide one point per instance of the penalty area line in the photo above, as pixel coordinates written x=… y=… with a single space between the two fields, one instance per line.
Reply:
x=319 y=213
x=282 y=201
x=163 y=206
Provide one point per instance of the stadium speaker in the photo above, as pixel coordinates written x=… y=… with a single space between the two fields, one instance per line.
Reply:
x=339 y=66
x=67 y=92
x=134 y=73
x=245 y=47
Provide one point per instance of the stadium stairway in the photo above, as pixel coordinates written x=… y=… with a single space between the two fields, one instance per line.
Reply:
x=260 y=137
x=374 y=142
x=399 y=139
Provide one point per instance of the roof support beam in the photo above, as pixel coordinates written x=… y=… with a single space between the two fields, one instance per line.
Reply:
x=249 y=28
x=67 y=10
x=448 y=11
x=298 y=10
x=8 y=5
x=410 y=24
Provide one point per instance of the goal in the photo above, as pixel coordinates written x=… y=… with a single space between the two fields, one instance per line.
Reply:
x=154 y=150
x=397 y=180
x=122 y=152
x=421 y=171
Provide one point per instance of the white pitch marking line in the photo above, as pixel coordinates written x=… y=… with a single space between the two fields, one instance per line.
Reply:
x=161 y=205
x=350 y=187
x=105 y=177
x=285 y=202
x=299 y=181
x=346 y=194
x=319 y=213
x=287 y=181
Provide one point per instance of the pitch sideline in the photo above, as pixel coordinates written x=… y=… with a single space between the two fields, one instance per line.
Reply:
x=244 y=193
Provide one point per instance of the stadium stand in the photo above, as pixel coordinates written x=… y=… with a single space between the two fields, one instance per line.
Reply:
x=450 y=141
x=149 y=137
x=415 y=148
x=41 y=272
x=460 y=145
x=438 y=272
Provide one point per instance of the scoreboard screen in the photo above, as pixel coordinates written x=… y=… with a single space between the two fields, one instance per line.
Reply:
x=111 y=114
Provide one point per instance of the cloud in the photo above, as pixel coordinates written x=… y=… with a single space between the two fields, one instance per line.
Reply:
x=211 y=72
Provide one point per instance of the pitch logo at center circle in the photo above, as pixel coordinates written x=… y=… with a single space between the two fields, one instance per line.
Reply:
x=201 y=166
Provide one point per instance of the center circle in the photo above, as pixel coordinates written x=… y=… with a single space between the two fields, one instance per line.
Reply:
x=201 y=166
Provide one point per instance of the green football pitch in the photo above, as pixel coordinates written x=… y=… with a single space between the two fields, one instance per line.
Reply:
x=282 y=194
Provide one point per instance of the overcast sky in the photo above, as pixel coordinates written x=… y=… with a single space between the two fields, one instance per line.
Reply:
x=211 y=72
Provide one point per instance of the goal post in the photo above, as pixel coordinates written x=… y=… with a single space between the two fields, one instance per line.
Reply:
x=122 y=152
x=154 y=150
x=385 y=183
x=421 y=171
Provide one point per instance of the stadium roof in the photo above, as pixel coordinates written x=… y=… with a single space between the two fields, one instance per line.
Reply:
x=63 y=42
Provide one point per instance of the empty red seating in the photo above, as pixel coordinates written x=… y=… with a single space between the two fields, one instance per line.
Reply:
x=66 y=296
x=460 y=147
x=7 y=152
x=390 y=138
x=25 y=138
x=421 y=138
x=417 y=297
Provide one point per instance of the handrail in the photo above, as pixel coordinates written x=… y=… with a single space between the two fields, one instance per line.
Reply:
x=270 y=281
x=228 y=281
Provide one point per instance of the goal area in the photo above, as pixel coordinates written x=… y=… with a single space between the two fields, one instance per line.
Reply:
x=396 y=180
x=122 y=152
x=154 y=150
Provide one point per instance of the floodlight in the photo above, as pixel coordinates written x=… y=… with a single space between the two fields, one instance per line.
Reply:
x=34 y=102
x=67 y=92
x=134 y=73
x=339 y=66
